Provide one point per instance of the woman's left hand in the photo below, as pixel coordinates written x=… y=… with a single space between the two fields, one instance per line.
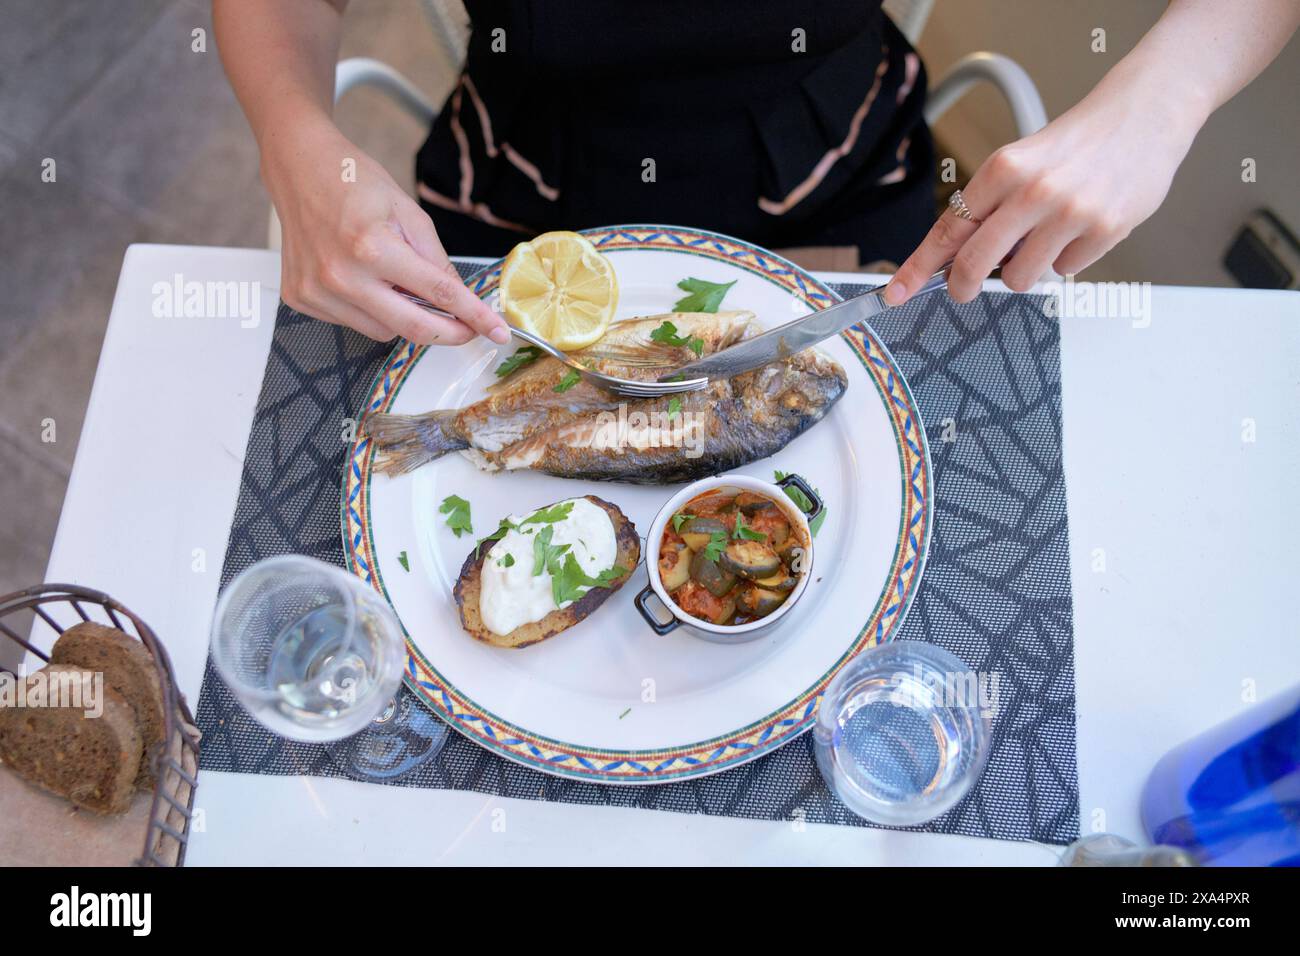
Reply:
x=1059 y=198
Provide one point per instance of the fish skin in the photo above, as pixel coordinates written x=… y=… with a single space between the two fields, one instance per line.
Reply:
x=524 y=423
x=738 y=420
x=526 y=403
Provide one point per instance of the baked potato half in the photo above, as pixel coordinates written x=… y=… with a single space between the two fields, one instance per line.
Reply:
x=469 y=583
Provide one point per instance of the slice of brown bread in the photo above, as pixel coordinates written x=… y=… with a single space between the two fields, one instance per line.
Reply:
x=128 y=668
x=93 y=761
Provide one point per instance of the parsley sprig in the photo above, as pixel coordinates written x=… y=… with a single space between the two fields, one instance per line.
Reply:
x=743 y=533
x=570 y=379
x=703 y=296
x=569 y=582
x=456 y=509
x=717 y=544
x=521 y=357
x=550 y=515
x=546 y=556
x=497 y=535
x=667 y=334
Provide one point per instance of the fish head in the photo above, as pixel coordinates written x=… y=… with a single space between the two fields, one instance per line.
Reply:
x=791 y=395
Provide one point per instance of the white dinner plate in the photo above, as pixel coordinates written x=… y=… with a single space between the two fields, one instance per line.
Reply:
x=608 y=700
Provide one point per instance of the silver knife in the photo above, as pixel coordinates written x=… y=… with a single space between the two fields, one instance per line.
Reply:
x=786 y=340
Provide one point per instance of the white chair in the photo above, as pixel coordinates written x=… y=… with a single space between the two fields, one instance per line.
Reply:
x=450 y=25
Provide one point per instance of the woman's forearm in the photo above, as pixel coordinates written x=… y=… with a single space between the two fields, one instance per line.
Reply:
x=348 y=240
x=1201 y=53
x=1065 y=195
x=280 y=56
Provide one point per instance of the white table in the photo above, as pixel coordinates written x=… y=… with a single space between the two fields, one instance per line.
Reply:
x=1198 y=529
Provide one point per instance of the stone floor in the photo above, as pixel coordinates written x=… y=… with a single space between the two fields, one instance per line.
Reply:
x=149 y=145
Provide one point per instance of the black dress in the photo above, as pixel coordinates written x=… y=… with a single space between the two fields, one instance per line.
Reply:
x=782 y=122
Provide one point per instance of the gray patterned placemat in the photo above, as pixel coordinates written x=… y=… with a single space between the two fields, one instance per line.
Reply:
x=996 y=590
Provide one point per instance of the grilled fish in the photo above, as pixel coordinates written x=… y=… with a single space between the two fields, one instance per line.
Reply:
x=585 y=432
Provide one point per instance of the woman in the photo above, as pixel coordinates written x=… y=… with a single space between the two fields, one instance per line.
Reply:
x=787 y=123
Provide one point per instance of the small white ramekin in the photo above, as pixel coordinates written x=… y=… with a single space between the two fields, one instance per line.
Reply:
x=722 y=633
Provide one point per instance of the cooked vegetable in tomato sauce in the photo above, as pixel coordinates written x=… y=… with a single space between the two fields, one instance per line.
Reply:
x=730 y=558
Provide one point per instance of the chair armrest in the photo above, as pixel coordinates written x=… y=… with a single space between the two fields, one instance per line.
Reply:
x=364 y=71
x=1004 y=73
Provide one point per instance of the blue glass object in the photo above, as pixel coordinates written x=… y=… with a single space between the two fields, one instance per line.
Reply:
x=1231 y=797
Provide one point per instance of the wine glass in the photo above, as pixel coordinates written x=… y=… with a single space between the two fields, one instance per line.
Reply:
x=315 y=655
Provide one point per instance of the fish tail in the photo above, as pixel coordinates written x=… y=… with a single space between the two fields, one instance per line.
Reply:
x=405 y=442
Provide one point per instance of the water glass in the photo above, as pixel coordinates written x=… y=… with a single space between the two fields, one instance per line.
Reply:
x=309 y=649
x=903 y=732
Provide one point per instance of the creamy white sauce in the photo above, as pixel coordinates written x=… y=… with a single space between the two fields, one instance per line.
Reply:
x=511 y=596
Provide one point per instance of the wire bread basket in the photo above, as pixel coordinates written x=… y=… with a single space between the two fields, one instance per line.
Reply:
x=45 y=612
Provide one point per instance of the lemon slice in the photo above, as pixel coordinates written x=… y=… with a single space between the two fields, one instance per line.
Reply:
x=560 y=287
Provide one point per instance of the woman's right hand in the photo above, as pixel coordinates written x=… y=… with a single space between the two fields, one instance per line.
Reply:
x=350 y=234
